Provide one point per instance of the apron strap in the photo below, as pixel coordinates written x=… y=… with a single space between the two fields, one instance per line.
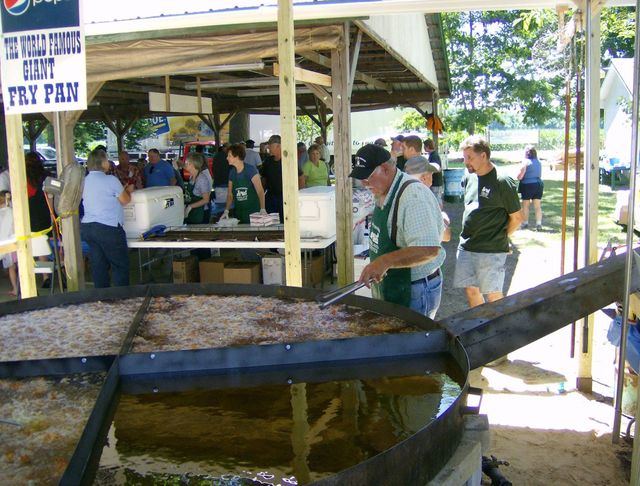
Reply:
x=394 y=219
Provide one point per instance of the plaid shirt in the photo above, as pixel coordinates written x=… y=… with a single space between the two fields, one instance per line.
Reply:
x=419 y=223
x=132 y=175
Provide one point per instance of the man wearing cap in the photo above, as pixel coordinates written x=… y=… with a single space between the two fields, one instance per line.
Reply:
x=251 y=156
x=271 y=172
x=397 y=151
x=404 y=237
x=424 y=171
x=491 y=214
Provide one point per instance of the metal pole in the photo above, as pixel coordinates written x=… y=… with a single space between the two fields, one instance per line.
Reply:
x=629 y=257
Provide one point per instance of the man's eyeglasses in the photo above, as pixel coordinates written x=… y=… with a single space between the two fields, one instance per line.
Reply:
x=151 y=169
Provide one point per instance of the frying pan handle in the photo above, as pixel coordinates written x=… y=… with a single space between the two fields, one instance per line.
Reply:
x=328 y=298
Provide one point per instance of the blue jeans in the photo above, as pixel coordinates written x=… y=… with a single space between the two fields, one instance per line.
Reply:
x=107 y=250
x=426 y=295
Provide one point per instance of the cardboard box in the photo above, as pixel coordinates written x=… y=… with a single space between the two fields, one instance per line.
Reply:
x=242 y=273
x=185 y=269
x=273 y=272
x=212 y=269
x=313 y=272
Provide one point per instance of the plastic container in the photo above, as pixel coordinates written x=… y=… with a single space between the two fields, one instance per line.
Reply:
x=152 y=206
x=453 y=191
x=318 y=212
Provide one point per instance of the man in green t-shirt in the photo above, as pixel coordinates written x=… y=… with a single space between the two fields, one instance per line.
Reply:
x=491 y=214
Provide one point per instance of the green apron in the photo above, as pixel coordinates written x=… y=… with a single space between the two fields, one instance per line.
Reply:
x=245 y=198
x=395 y=287
x=196 y=215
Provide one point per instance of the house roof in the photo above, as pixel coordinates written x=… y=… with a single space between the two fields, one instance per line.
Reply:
x=620 y=70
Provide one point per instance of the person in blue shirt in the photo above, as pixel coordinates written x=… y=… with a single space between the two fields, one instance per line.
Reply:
x=531 y=186
x=158 y=172
x=103 y=220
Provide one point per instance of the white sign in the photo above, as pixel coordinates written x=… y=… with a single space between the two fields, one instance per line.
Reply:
x=43 y=63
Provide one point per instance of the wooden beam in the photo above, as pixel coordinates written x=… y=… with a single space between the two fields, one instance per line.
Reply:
x=322 y=94
x=289 y=151
x=365 y=78
x=167 y=93
x=306 y=76
x=21 y=222
x=353 y=61
x=342 y=160
x=70 y=226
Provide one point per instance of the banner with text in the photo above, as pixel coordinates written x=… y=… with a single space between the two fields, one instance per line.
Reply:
x=43 y=64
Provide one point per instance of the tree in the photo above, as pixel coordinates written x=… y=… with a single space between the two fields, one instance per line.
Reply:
x=85 y=134
x=618 y=30
x=494 y=69
x=306 y=129
x=411 y=121
x=139 y=131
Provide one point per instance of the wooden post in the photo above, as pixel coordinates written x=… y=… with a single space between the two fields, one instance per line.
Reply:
x=289 y=150
x=591 y=169
x=342 y=159
x=63 y=124
x=21 y=222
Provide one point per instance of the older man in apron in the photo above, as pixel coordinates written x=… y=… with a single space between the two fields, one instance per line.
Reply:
x=405 y=233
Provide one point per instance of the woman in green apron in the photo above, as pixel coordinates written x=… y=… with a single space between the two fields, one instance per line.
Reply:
x=245 y=187
x=197 y=190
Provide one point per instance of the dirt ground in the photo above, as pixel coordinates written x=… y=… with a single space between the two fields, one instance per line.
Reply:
x=546 y=430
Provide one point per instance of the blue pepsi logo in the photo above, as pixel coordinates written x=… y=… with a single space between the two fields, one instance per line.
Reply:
x=16 y=7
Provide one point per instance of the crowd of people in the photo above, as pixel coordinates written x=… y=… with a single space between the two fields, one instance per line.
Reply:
x=407 y=228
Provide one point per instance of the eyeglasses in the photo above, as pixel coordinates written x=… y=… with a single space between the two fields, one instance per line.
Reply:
x=151 y=169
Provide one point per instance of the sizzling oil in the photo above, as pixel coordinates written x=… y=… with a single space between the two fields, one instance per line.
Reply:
x=272 y=434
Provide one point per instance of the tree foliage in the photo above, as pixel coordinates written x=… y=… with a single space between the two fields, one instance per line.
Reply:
x=618 y=30
x=306 y=129
x=506 y=68
x=411 y=121
x=86 y=135
x=140 y=130
x=494 y=68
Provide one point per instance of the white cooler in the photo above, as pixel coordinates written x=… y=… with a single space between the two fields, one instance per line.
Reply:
x=153 y=206
x=318 y=212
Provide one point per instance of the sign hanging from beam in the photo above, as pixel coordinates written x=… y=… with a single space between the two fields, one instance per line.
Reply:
x=43 y=56
x=179 y=104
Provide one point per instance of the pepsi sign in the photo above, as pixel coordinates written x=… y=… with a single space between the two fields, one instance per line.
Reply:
x=39 y=14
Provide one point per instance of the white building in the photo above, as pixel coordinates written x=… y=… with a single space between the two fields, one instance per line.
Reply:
x=615 y=100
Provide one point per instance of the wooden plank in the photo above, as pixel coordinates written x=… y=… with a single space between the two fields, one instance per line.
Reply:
x=322 y=94
x=342 y=160
x=21 y=222
x=167 y=94
x=353 y=60
x=70 y=226
x=584 y=382
x=289 y=150
x=365 y=78
x=306 y=76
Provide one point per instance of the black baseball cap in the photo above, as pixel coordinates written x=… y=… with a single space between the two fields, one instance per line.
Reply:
x=250 y=143
x=367 y=158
